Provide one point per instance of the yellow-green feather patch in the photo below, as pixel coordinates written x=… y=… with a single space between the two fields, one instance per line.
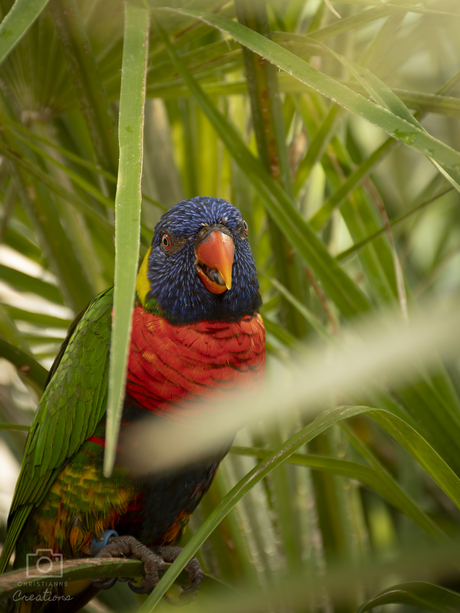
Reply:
x=143 y=284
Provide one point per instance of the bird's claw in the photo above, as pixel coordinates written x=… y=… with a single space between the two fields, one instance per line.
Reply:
x=104 y=584
x=138 y=589
x=129 y=547
x=154 y=564
x=169 y=553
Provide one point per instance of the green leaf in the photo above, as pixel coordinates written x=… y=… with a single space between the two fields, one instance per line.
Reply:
x=17 y=427
x=14 y=26
x=422 y=451
x=354 y=22
x=26 y=283
x=127 y=209
x=359 y=245
x=376 y=478
x=80 y=161
x=27 y=366
x=272 y=460
x=426 y=596
x=309 y=316
x=394 y=125
x=383 y=95
x=40 y=319
x=317 y=146
x=408 y=437
x=86 y=81
x=55 y=186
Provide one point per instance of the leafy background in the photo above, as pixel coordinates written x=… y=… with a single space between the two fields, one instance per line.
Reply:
x=333 y=126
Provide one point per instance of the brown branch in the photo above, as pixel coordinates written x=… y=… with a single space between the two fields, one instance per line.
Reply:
x=71 y=570
x=323 y=301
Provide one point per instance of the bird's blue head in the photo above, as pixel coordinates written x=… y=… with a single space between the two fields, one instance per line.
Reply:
x=200 y=265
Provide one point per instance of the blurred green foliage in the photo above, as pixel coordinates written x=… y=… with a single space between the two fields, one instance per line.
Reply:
x=338 y=140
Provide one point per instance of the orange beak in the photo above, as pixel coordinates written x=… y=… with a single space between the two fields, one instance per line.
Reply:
x=214 y=261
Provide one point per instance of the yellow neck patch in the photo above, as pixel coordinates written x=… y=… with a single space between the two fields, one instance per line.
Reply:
x=142 y=283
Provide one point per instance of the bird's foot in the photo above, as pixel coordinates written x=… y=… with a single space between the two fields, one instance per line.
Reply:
x=129 y=547
x=169 y=553
x=154 y=560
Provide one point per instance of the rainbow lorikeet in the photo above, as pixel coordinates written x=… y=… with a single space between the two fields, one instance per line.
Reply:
x=196 y=333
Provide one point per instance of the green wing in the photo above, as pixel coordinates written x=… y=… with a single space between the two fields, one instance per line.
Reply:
x=72 y=405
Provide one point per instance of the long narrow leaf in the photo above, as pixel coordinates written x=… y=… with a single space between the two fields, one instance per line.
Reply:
x=85 y=77
x=27 y=366
x=425 y=596
x=383 y=95
x=273 y=460
x=422 y=451
x=415 y=443
x=127 y=208
x=43 y=212
x=357 y=246
x=395 y=126
x=15 y=25
x=388 y=488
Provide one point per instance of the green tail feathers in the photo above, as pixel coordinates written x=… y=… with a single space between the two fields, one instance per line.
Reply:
x=14 y=530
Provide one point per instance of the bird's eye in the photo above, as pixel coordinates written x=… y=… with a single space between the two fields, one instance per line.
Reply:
x=245 y=226
x=166 y=242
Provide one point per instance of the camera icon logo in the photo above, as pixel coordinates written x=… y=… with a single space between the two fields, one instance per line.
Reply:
x=44 y=563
